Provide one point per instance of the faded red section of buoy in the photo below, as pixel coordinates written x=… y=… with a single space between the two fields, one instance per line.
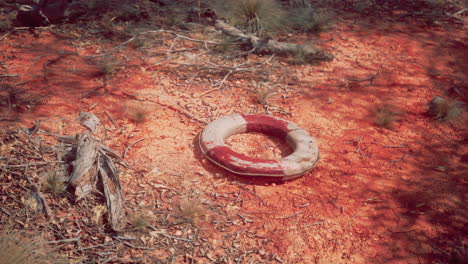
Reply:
x=303 y=159
x=241 y=164
x=267 y=125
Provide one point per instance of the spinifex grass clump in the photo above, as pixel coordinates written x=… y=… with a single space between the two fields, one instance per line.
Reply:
x=19 y=248
x=140 y=221
x=253 y=16
x=310 y=19
x=385 y=115
x=55 y=183
x=192 y=210
x=445 y=109
x=138 y=113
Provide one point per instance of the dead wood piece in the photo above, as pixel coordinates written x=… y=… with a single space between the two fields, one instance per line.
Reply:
x=84 y=167
x=268 y=46
x=94 y=164
x=112 y=192
x=89 y=120
x=41 y=202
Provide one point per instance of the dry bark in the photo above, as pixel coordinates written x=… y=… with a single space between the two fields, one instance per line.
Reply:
x=93 y=165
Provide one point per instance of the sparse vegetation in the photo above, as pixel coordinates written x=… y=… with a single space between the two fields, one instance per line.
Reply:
x=301 y=57
x=107 y=65
x=5 y=24
x=445 y=109
x=139 y=221
x=254 y=16
x=54 y=182
x=192 y=210
x=310 y=20
x=19 y=248
x=137 y=112
x=264 y=92
x=98 y=5
x=385 y=115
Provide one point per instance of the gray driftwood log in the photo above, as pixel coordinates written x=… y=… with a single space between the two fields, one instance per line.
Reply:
x=93 y=169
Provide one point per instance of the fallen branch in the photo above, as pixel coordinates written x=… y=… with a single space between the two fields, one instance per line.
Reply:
x=9 y=75
x=260 y=45
x=131 y=145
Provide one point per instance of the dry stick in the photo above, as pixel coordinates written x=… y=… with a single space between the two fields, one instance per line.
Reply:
x=5 y=211
x=136 y=247
x=9 y=75
x=131 y=145
x=69 y=240
x=111 y=119
x=19 y=28
x=370 y=79
x=386 y=146
x=291 y=216
x=219 y=86
x=316 y=223
x=165 y=31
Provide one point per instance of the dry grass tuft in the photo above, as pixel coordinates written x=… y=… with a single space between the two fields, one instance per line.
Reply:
x=137 y=113
x=385 y=115
x=253 y=16
x=445 y=110
x=54 y=182
x=139 y=221
x=192 y=210
x=107 y=65
x=18 y=248
x=311 y=20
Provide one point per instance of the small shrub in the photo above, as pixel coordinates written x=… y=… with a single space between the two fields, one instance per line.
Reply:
x=128 y=12
x=385 y=115
x=98 y=5
x=55 y=183
x=18 y=248
x=264 y=92
x=5 y=24
x=139 y=221
x=301 y=57
x=311 y=20
x=108 y=65
x=254 y=16
x=445 y=109
x=137 y=112
x=192 y=210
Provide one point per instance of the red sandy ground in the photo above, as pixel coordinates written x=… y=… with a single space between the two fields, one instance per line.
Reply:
x=376 y=196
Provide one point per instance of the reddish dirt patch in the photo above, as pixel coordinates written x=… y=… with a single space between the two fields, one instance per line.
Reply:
x=376 y=196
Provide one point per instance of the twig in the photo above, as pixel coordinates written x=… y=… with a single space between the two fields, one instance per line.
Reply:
x=69 y=240
x=5 y=211
x=131 y=145
x=219 y=86
x=111 y=119
x=9 y=75
x=31 y=164
x=386 y=146
x=166 y=31
x=313 y=224
x=371 y=79
x=19 y=28
x=136 y=247
x=291 y=216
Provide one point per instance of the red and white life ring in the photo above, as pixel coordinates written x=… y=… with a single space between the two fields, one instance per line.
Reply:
x=303 y=158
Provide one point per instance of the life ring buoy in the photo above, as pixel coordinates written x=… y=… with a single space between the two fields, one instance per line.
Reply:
x=303 y=158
